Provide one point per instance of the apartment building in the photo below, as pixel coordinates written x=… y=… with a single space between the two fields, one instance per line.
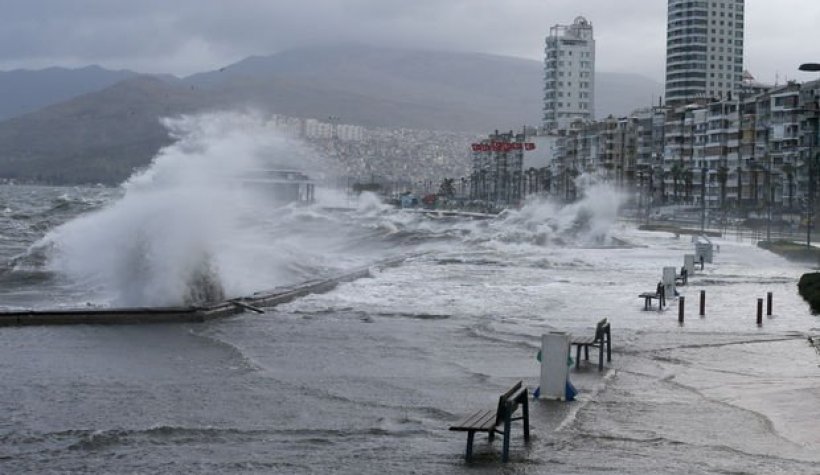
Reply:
x=704 y=50
x=569 y=74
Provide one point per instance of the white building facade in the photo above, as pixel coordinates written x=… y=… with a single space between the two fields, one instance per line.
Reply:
x=704 y=50
x=569 y=75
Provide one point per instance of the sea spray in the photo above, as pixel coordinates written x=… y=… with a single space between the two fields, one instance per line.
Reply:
x=185 y=230
x=544 y=221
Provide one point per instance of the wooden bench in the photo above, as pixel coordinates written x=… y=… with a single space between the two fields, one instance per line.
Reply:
x=602 y=337
x=489 y=420
x=660 y=294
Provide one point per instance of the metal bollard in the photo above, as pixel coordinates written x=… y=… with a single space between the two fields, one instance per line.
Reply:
x=769 y=304
x=680 y=309
x=702 y=303
x=760 y=312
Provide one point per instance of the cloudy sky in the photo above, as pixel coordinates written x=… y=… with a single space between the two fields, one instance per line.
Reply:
x=187 y=36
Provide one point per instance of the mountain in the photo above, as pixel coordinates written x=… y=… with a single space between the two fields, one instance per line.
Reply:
x=23 y=91
x=97 y=137
x=102 y=136
x=456 y=91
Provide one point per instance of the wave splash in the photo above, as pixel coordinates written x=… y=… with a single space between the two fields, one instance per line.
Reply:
x=541 y=222
x=185 y=230
x=584 y=222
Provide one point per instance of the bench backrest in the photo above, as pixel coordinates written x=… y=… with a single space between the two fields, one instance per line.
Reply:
x=509 y=401
x=601 y=329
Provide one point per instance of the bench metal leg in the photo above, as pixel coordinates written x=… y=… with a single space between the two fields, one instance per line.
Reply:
x=525 y=416
x=578 y=356
x=608 y=346
x=505 y=455
x=586 y=352
x=601 y=356
x=470 y=435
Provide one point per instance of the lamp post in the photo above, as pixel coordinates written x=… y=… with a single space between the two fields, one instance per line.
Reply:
x=769 y=199
x=703 y=200
x=810 y=201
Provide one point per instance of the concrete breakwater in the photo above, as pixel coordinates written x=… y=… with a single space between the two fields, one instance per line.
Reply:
x=227 y=308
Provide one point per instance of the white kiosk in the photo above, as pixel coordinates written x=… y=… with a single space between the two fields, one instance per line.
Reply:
x=689 y=263
x=703 y=247
x=669 y=274
x=554 y=368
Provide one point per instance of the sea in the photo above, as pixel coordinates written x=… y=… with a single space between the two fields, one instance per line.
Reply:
x=368 y=377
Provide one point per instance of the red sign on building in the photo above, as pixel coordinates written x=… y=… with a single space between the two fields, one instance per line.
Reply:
x=502 y=146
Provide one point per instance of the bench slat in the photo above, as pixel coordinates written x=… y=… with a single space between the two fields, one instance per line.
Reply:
x=583 y=340
x=481 y=420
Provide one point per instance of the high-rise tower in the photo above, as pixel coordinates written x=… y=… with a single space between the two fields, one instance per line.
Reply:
x=704 y=49
x=569 y=74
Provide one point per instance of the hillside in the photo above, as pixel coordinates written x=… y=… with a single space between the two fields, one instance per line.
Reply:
x=23 y=91
x=102 y=136
x=488 y=91
x=95 y=138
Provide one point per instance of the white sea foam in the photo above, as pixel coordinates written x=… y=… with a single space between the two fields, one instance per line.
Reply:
x=548 y=222
x=186 y=230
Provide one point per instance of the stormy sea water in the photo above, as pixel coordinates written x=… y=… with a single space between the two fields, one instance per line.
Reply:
x=367 y=377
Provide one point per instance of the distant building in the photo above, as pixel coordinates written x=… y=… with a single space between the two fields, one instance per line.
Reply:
x=315 y=129
x=348 y=132
x=704 y=50
x=569 y=74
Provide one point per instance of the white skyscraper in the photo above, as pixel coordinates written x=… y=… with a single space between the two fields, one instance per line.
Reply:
x=704 y=49
x=569 y=74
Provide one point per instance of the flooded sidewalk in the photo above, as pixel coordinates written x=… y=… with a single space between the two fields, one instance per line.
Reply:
x=692 y=403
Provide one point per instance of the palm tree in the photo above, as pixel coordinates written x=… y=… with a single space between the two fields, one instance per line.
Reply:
x=547 y=180
x=723 y=177
x=447 y=188
x=531 y=179
x=754 y=183
x=687 y=179
x=739 y=186
x=677 y=174
x=662 y=176
x=788 y=169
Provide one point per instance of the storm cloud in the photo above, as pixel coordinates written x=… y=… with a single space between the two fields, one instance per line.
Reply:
x=187 y=36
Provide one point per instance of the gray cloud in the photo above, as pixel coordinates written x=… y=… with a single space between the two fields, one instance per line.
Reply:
x=187 y=36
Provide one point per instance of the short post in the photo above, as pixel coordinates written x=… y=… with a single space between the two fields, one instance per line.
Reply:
x=702 y=303
x=680 y=309
x=760 y=312
x=769 y=304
